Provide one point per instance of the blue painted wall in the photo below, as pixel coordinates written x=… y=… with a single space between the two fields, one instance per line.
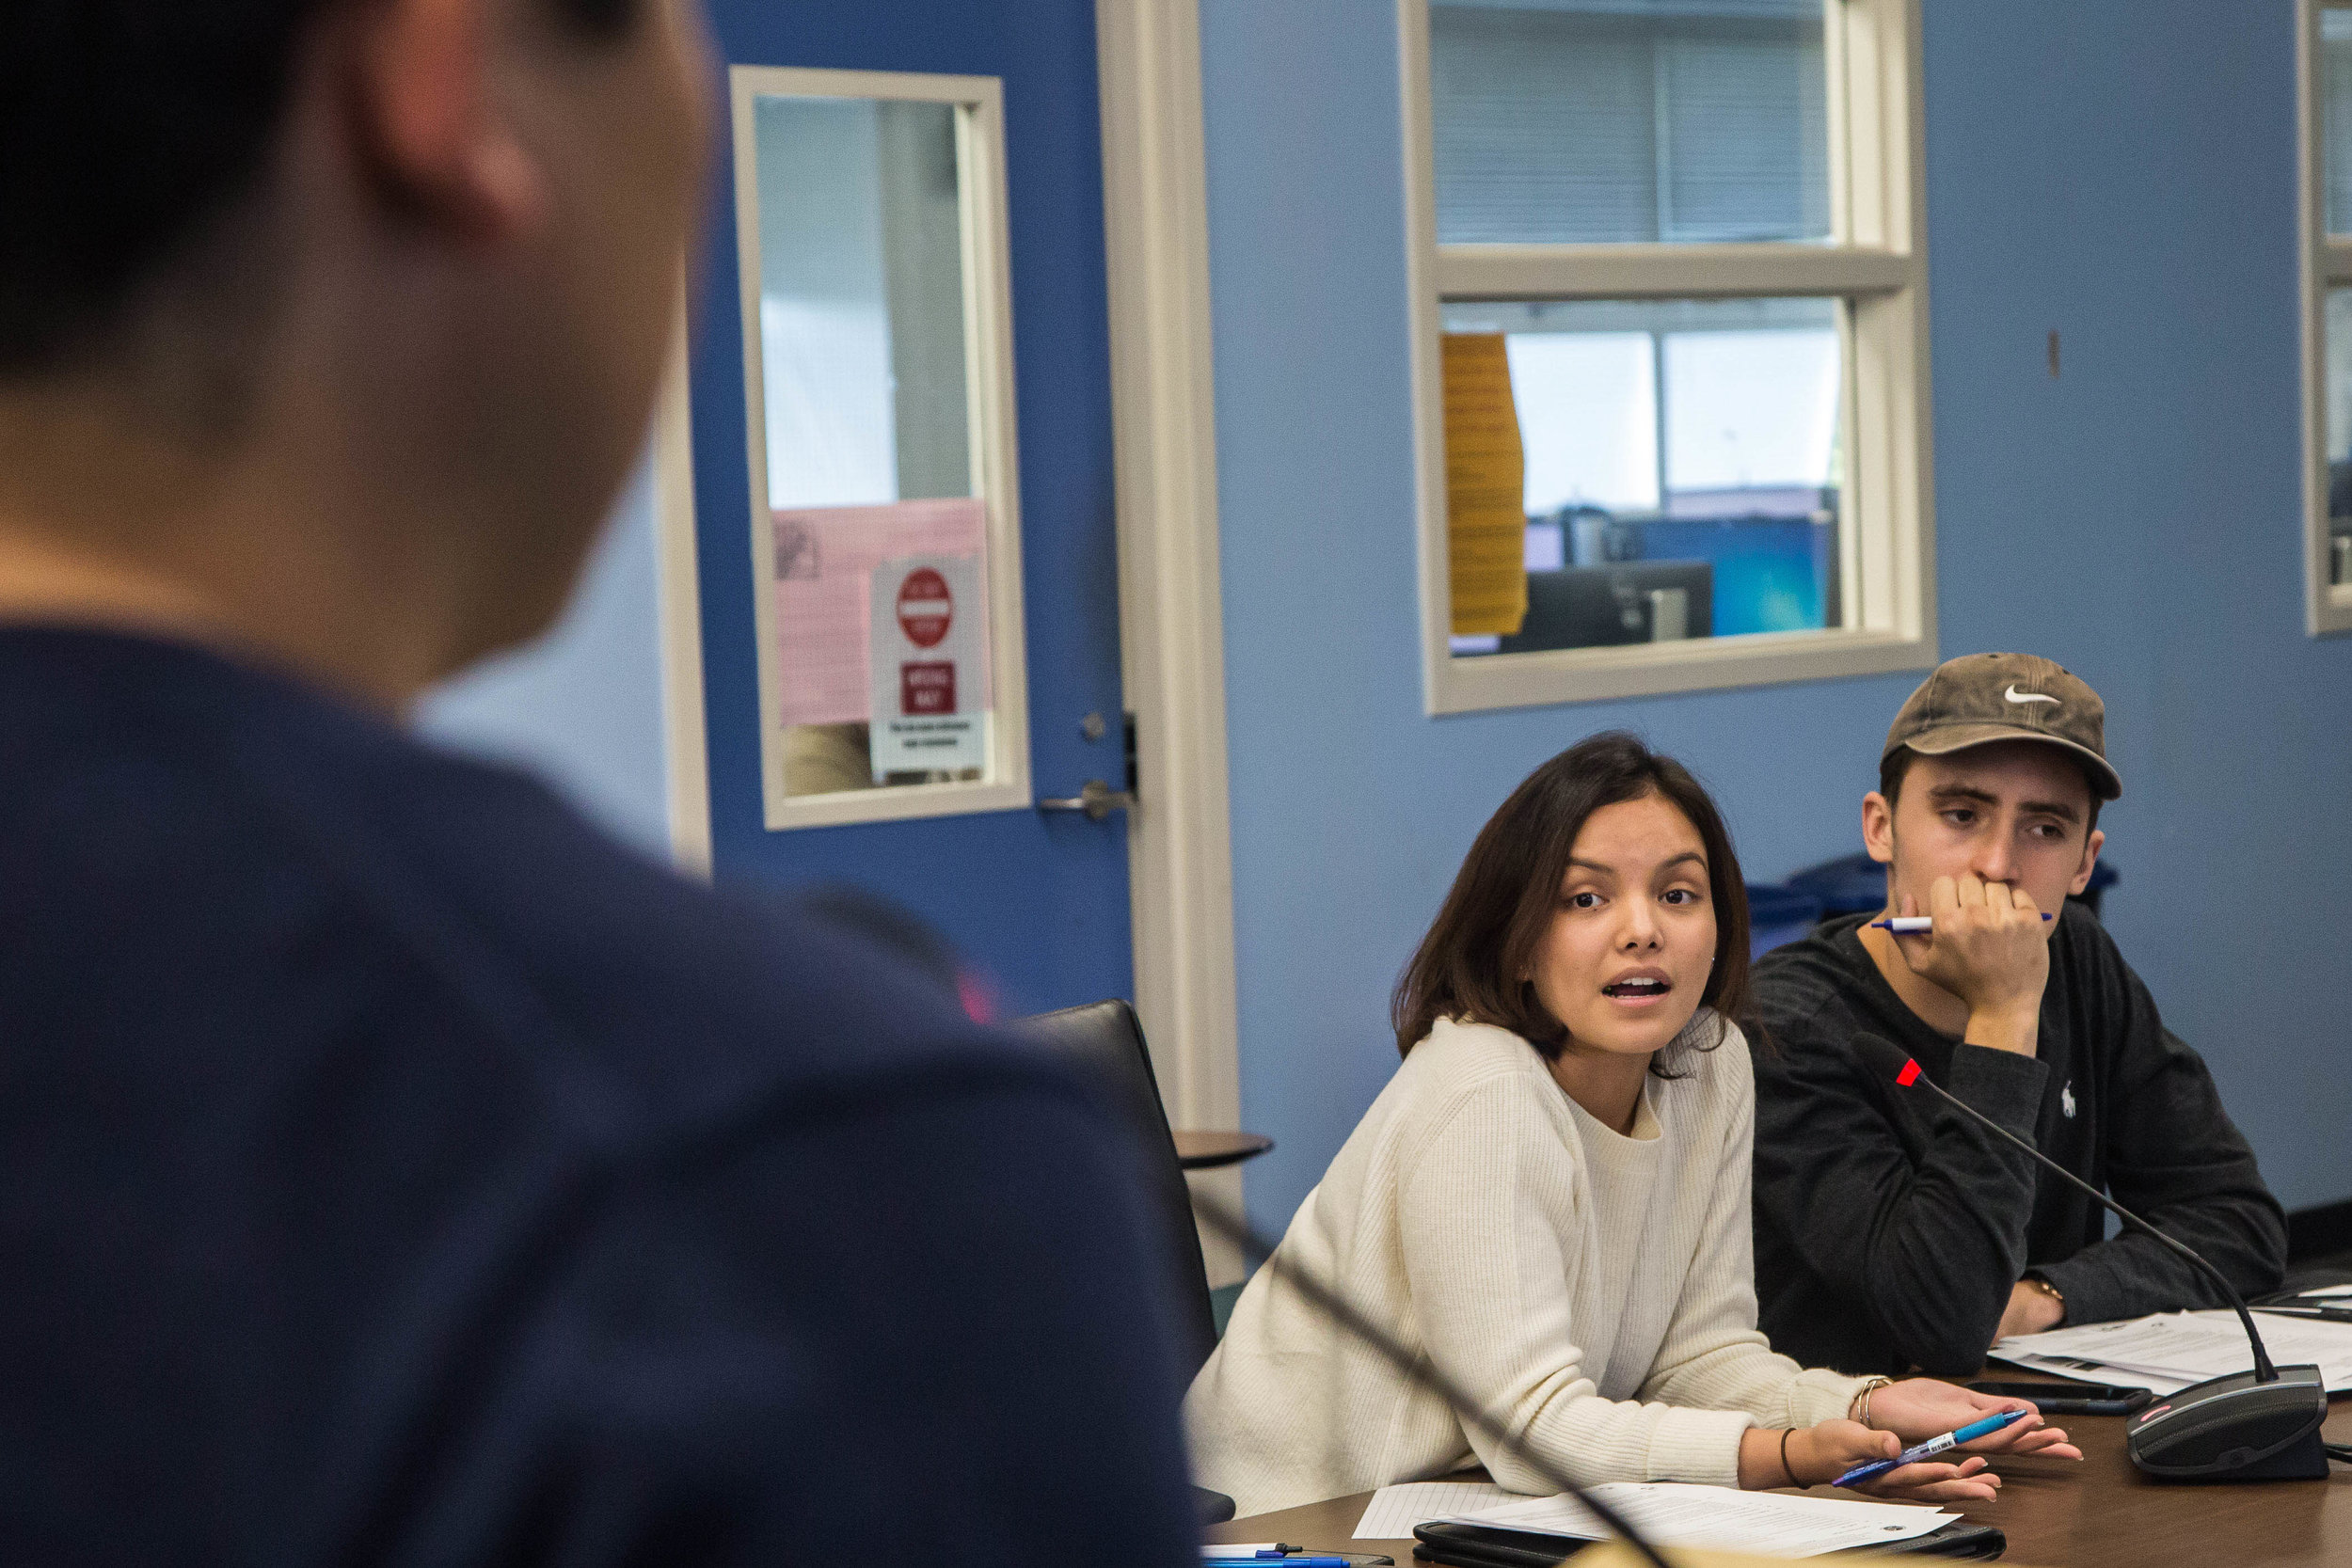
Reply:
x=2119 y=170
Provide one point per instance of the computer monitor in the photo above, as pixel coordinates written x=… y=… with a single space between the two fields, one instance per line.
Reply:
x=1598 y=607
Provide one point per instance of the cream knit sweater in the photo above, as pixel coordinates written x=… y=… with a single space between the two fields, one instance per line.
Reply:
x=1594 y=1290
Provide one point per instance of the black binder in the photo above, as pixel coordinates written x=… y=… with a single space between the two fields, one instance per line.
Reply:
x=1463 y=1545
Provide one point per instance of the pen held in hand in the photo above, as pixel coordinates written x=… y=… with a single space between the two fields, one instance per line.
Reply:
x=1930 y=1448
x=1918 y=925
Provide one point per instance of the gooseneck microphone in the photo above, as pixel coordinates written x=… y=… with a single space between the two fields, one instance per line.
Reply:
x=1234 y=1228
x=2261 y=1426
x=1899 y=1066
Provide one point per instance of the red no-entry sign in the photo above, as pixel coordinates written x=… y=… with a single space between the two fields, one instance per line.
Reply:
x=925 y=608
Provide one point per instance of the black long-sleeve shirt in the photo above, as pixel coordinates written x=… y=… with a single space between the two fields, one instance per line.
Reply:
x=394 y=1171
x=1890 y=1229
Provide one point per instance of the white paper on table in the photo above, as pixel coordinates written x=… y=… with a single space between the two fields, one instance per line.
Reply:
x=1678 y=1514
x=825 y=558
x=2169 y=1350
x=1395 y=1510
x=2328 y=1290
x=2092 y=1371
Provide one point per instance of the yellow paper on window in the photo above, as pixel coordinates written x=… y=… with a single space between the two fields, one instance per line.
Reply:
x=1485 y=480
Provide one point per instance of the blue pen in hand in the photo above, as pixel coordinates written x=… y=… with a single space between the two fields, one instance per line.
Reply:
x=1932 y=1446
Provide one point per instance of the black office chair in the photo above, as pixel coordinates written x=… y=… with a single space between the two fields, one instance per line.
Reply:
x=1107 y=1037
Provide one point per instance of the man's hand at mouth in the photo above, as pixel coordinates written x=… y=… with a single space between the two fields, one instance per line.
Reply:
x=1991 y=948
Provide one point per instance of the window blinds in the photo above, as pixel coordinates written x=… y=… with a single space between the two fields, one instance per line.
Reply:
x=1609 y=123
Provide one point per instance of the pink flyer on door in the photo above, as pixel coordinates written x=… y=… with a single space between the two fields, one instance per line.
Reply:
x=825 y=558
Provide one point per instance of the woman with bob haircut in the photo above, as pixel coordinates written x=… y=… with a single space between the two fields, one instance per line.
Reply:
x=1548 y=1202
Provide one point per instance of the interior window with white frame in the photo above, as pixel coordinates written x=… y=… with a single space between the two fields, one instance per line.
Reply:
x=1694 y=230
x=2327 y=93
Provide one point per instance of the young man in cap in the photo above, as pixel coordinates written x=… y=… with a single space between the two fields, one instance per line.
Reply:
x=394 y=1170
x=1891 y=1232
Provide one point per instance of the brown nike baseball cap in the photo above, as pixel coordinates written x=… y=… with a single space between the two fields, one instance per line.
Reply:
x=1978 y=699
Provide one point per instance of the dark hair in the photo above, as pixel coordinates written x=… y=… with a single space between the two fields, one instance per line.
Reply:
x=1508 y=889
x=1897 y=763
x=127 y=129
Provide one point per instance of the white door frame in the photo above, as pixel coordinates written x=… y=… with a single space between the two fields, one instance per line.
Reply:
x=1171 y=605
x=1171 y=609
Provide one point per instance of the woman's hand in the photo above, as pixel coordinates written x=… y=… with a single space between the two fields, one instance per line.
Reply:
x=1817 y=1455
x=1919 y=1408
x=1823 y=1454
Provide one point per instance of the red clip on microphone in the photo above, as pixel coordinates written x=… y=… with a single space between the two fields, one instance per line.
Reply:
x=2258 y=1426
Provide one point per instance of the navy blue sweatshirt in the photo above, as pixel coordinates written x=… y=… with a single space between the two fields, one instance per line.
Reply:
x=392 y=1170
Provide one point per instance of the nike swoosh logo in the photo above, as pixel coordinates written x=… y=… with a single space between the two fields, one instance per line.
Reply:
x=2012 y=694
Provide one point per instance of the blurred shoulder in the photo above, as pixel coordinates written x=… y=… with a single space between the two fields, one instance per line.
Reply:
x=676 y=997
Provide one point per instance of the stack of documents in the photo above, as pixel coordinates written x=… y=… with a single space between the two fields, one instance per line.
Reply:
x=2169 y=1350
x=1670 y=1513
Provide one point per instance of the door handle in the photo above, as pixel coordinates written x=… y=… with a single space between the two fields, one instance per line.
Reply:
x=1094 y=798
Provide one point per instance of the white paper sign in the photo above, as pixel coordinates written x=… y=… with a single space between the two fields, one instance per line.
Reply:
x=928 y=704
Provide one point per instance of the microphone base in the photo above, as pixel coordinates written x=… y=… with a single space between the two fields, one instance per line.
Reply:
x=2235 y=1428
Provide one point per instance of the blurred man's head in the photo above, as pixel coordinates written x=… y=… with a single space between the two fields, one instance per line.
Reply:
x=302 y=298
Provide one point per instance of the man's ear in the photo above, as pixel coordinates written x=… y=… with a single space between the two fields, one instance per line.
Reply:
x=430 y=122
x=2090 y=861
x=1878 y=828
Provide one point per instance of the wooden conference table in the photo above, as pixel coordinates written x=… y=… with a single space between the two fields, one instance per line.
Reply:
x=2057 y=1513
